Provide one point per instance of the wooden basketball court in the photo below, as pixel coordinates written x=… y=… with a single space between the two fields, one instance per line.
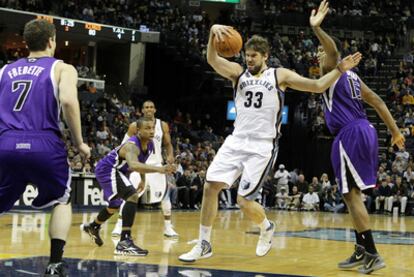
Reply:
x=305 y=244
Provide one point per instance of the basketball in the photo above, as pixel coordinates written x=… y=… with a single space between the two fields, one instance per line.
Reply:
x=230 y=46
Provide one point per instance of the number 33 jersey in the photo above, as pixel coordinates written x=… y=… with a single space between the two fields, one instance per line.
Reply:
x=29 y=99
x=343 y=102
x=258 y=101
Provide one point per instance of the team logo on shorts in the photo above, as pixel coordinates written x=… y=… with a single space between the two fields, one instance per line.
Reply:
x=245 y=185
x=158 y=194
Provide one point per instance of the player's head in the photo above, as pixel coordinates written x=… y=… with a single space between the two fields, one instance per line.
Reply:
x=148 y=109
x=257 y=51
x=321 y=55
x=40 y=35
x=146 y=128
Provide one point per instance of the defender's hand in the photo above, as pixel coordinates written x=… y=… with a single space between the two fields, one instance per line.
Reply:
x=317 y=17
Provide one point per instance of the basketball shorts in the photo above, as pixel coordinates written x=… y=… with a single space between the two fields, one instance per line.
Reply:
x=37 y=157
x=355 y=149
x=115 y=185
x=248 y=158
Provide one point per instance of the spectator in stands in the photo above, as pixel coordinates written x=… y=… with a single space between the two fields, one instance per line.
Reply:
x=371 y=66
x=294 y=199
x=184 y=187
x=367 y=199
x=317 y=187
x=333 y=200
x=399 y=164
x=325 y=182
x=410 y=190
x=408 y=99
x=310 y=201
x=399 y=195
x=302 y=184
x=103 y=133
x=383 y=192
x=381 y=174
x=282 y=177
x=282 y=198
x=197 y=188
x=408 y=175
x=294 y=175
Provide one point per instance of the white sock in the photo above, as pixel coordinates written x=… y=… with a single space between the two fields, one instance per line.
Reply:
x=167 y=223
x=264 y=225
x=205 y=233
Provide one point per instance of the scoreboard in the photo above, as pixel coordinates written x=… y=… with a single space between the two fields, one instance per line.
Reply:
x=91 y=29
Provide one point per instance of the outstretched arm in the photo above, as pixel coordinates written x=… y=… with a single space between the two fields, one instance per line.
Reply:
x=327 y=42
x=227 y=69
x=376 y=102
x=293 y=80
x=130 y=153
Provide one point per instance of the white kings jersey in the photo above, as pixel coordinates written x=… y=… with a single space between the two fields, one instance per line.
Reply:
x=156 y=157
x=259 y=103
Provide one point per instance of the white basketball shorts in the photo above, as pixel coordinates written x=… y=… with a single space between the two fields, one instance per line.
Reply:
x=250 y=158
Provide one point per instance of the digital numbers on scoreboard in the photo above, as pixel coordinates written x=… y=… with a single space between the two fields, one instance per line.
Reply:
x=67 y=24
x=92 y=28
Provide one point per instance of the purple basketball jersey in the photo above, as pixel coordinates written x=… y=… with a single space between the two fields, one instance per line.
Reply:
x=112 y=159
x=343 y=102
x=112 y=166
x=355 y=148
x=31 y=150
x=29 y=96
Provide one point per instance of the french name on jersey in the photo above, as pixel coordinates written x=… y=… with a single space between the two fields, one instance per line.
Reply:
x=25 y=70
x=256 y=82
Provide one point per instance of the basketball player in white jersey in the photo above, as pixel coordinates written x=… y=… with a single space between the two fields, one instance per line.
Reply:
x=155 y=183
x=250 y=152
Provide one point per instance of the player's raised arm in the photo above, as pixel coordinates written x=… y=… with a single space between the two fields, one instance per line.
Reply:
x=68 y=96
x=130 y=153
x=376 y=102
x=331 y=53
x=227 y=69
x=288 y=78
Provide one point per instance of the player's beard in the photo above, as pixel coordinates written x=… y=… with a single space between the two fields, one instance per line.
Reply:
x=255 y=70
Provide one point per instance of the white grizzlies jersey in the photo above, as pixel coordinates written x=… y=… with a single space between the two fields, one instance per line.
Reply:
x=156 y=157
x=258 y=102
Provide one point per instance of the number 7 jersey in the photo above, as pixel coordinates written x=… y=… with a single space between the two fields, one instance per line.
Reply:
x=29 y=99
x=259 y=103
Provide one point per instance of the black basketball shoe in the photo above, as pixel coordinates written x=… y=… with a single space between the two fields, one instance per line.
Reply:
x=93 y=233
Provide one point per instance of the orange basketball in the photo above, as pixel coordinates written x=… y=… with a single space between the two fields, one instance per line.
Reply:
x=230 y=45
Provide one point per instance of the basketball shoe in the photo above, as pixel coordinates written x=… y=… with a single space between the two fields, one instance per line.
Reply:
x=169 y=231
x=357 y=258
x=56 y=269
x=201 y=250
x=265 y=240
x=372 y=262
x=128 y=248
x=93 y=233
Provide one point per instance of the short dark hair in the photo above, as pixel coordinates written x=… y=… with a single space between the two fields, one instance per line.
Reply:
x=143 y=119
x=37 y=33
x=148 y=101
x=259 y=44
x=338 y=44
